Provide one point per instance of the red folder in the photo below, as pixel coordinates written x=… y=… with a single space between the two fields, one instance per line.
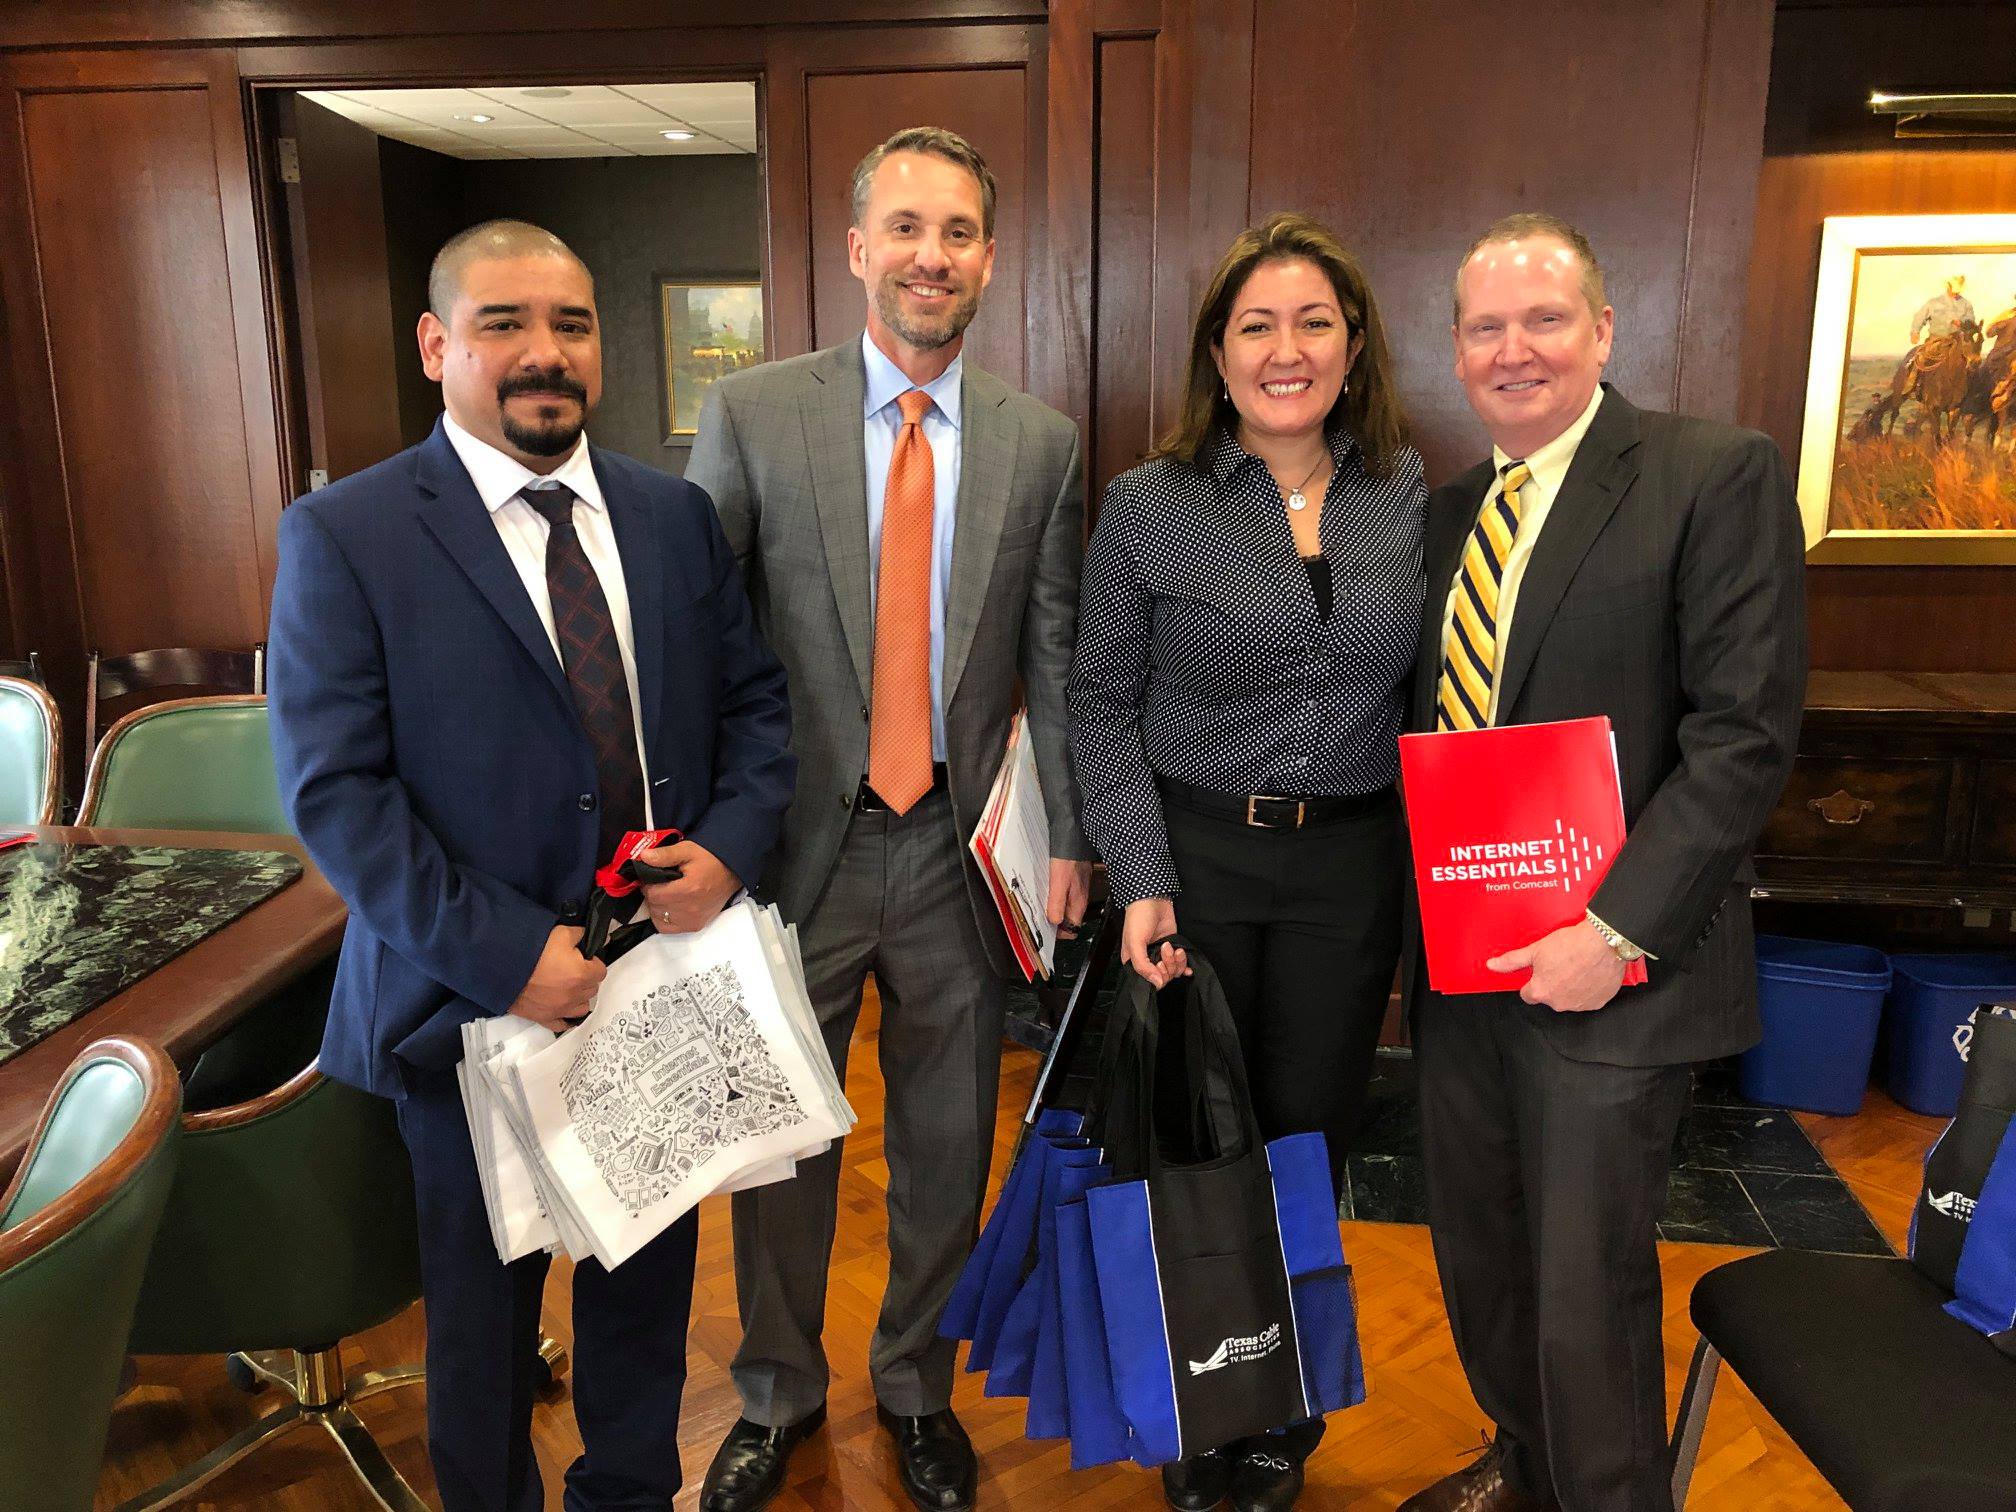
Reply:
x=1513 y=828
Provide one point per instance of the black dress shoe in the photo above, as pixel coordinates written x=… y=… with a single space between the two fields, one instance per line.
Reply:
x=935 y=1459
x=1198 y=1483
x=748 y=1468
x=1265 y=1479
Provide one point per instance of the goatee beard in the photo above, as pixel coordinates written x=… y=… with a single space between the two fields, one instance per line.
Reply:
x=933 y=332
x=552 y=439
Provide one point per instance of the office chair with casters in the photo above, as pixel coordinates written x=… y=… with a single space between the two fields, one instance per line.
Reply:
x=115 y=677
x=31 y=753
x=290 y=1228
x=75 y=1225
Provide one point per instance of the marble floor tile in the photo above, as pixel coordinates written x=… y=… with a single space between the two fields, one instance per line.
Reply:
x=1711 y=1207
x=1746 y=1138
x=1814 y=1213
x=1386 y=1189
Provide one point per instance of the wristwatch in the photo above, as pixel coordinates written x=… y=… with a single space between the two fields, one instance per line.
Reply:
x=1624 y=950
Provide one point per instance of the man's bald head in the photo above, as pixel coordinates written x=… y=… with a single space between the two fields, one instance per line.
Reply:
x=493 y=238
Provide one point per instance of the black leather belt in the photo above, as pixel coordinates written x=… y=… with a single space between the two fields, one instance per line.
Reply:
x=1269 y=811
x=868 y=801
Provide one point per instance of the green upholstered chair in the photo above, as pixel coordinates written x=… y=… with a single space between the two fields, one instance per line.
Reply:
x=290 y=1228
x=75 y=1225
x=190 y=763
x=207 y=764
x=31 y=753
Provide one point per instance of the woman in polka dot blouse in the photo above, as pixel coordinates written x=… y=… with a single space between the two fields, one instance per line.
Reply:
x=1246 y=629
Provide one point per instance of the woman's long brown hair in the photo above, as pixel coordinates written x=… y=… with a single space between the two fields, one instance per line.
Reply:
x=1369 y=407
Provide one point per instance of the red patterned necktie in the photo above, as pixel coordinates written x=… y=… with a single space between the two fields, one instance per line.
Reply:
x=899 y=726
x=594 y=664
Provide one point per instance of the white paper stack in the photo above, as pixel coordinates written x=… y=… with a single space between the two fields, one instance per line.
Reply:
x=1012 y=845
x=700 y=1070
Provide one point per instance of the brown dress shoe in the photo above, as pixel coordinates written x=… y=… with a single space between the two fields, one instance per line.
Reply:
x=1478 y=1487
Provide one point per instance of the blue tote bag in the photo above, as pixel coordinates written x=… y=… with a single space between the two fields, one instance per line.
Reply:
x=1009 y=1232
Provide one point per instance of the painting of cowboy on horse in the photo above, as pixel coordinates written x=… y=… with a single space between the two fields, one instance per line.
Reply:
x=1927 y=434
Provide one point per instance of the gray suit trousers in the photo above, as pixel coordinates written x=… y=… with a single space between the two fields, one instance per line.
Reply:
x=896 y=905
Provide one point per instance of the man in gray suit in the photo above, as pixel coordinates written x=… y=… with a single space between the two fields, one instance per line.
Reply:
x=911 y=530
x=1612 y=561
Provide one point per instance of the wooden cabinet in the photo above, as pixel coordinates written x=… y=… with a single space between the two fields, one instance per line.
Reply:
x=1903 y=793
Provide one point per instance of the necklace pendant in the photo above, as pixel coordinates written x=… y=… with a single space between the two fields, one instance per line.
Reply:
x=1297 y=500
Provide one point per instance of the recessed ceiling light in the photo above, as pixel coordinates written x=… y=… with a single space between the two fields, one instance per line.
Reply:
x=480 y=120
x=678 y=136
x=546 y=92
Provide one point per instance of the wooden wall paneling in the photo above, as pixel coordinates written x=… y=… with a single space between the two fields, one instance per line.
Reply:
x=1408 y=129
x=241 y=223
x=1124 y=362
x=856 y=89
x=1825 y=154
x=1728 y=151
x=350 y=353
x=78 y=23
x=1205 y=103
x=1096 y=286
x=146 y=463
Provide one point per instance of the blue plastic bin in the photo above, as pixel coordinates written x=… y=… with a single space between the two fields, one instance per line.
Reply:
x=1821 y=1004
x=1928 y=1022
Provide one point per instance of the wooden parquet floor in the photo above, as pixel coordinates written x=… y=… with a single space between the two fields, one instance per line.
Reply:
x=1415 y=1427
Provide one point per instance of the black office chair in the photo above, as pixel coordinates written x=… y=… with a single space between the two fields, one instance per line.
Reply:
x=1901 y=1407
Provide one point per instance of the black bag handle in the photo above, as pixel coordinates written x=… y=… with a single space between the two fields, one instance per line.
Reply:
x=1222 y=1120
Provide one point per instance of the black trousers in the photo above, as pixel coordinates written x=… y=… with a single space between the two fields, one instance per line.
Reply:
x=483 y=1334
x=1546 y=1177
x=1303 y=928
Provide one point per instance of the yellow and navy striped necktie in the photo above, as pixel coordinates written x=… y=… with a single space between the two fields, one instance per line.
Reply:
x=1470 y=650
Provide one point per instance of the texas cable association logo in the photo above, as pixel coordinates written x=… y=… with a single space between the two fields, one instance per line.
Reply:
x=1954 y=1205
x=1561 y=860
x=1240 y=1350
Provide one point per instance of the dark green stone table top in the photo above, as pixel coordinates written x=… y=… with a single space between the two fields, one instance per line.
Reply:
x=185 y=1003
x=80 y=923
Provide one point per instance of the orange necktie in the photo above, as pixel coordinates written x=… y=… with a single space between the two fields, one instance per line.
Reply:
x=899 y=726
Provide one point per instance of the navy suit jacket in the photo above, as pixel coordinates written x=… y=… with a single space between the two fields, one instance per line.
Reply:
x=430 y=756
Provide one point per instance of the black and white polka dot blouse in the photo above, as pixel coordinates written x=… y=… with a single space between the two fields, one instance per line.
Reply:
x=1201 y=655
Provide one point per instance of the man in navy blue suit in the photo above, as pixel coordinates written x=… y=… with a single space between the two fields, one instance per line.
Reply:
x=490 y=656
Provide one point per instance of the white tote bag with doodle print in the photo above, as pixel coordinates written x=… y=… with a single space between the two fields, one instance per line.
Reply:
x=688 y=1073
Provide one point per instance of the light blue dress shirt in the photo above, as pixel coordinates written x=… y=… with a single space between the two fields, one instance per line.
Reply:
x=882 y=420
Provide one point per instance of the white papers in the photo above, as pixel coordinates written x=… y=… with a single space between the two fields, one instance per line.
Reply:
x=700 y=1070
x=1012 y=845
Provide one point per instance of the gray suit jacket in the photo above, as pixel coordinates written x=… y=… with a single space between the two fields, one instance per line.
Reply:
x=780 y=451
x=1667 y=591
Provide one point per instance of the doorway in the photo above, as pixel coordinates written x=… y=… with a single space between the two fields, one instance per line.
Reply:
x=657 y=186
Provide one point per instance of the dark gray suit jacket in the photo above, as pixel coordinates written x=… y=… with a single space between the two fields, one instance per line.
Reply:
x=780 y=451
x=1667 y=590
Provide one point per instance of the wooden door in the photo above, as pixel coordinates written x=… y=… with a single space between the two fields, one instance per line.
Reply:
x=338 y=273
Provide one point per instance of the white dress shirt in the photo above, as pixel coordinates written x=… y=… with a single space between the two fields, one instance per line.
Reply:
x=1549 y=465
x=499 y=480
x=882 y=422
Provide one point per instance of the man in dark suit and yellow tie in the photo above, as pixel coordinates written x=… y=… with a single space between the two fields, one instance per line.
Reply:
x=1612 y=561
x=911 y=529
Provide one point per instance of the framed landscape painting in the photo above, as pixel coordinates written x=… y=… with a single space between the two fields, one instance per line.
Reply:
x=1908 y=452
x=709 y=330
